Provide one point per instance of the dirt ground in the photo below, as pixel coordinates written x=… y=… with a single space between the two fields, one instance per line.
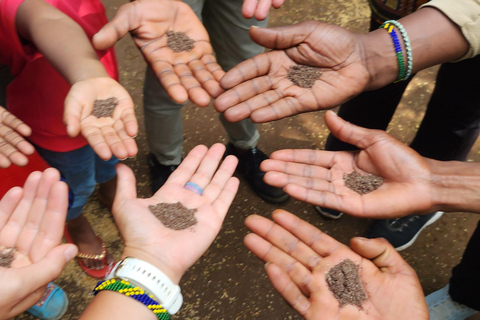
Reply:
x=228 y=282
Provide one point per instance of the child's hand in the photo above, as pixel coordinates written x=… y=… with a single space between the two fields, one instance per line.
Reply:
x=106 y=135
x=13 y=148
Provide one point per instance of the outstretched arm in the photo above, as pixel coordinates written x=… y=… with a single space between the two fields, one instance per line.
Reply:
x=50 y=29
x=350 y=63
x=299 y=259
x=192 y=74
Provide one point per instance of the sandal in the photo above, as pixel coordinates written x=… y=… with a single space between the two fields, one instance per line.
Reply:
x=53 y=304
x=95 y=273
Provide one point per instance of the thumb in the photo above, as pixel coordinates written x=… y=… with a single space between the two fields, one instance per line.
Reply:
x=126 y=185
x=382 y=254
x=116 y=29
x=281 y=37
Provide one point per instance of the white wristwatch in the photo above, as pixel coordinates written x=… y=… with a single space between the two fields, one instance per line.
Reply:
x=146 y=276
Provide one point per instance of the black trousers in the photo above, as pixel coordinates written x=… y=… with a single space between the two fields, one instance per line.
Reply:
x=448 y=131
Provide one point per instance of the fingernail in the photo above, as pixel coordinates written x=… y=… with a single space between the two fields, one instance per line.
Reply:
x=267 y=264
x=71 y=252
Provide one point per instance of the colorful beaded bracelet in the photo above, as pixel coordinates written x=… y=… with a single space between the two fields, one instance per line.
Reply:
x=124 y=287
x=398 y=51
x=408 y=46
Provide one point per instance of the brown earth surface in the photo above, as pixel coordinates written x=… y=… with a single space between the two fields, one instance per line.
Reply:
x=228 y=282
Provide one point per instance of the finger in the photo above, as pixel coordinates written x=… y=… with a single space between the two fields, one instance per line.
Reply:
x=280 y=109
x=8 y=204
x=45 y=271
x=188 y=166
x=246 y=70
x=117 y=28
x=195 y=91
x=127 y=116
x=296 y=169
x=10 y=232
x=212 y=66
x=248 y=8
x=126 y=185
x=52 y=225
x=95 y=139
x=287 y=289
x=126 y=140
x=16 y=140
x=263 y=8
x=205 y=78
x=283 y=240
x=350 y=133
x=208 y=166
x=32 y=227
x=382 y=254
x=306 y=156
x=277 y=3
x=169 y=80
x=4 y=161
x=219 y=180
x=72 y=116
x=282 y=37
x=114 y=142
x=320 y=242
x=11 y=155
x=18 y=125
x=227 y=194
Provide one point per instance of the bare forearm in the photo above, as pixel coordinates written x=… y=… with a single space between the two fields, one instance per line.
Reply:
x=456 y=185
x=434 y=39
x=60 y=39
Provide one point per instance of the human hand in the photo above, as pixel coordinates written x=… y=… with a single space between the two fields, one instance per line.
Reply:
x=148 y=239
x=32 y=219
x=194 y=74
x=13 y=148
x=259 y=87
x=316 y=177
x=299 y=256
x=259 y=9
x=106 y=135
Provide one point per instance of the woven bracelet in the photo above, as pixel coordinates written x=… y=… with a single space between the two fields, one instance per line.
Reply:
x=408 y=46
x=125 y=288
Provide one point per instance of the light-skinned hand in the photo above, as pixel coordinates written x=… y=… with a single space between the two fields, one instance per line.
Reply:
x=259 y=9
x=317 y=177
x=32 y=219
x=13 y=147
x=299 y=256
x=190 y=75
x=174 y=251
x=259 y=87
x=106 y=135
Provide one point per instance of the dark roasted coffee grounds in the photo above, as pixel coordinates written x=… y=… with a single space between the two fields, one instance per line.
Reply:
x=174 y=215
x=6 y=256
x=345 y=284
x=179 y=41
x=104 y=108
x=304 y=76
x=362 y=183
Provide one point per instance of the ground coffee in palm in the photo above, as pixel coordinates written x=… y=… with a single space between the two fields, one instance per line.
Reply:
x=104 y=108
x=6 y=256
x=345 y=284
x=174 y=215
x=179 y=41
x=304 y=76
x=362 y=183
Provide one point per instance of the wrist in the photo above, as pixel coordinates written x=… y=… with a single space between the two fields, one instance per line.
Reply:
x=170 y=271
x=379 y=58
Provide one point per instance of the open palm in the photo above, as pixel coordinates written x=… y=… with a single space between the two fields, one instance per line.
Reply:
x=317 y=177
x=190 y=74
x=299 y=256
x=259 y=88
x=174 y=251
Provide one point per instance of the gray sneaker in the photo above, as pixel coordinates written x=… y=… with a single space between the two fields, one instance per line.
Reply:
x=442 y=307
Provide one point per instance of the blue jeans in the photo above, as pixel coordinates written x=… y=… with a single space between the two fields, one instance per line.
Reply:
x=82 y=169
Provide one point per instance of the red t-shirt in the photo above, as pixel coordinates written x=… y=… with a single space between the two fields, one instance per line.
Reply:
x=37 y=94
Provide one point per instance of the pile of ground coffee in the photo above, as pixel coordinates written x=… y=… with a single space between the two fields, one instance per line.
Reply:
x=345 y=284
x=304 y=76
x=6 y=256
x=362 y=183
x=174 y=215
x=104 y=108
x=179 y=41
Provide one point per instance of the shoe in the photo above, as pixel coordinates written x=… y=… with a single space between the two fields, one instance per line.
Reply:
x=442 y=307
x=402 y=232
x=53 y=304
x=249 y=167
x=329 y=213
x=94 y=273
x=160 y=172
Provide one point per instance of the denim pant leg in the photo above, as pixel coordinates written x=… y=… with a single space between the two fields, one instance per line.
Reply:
x=465 y=279
x=228 y=31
